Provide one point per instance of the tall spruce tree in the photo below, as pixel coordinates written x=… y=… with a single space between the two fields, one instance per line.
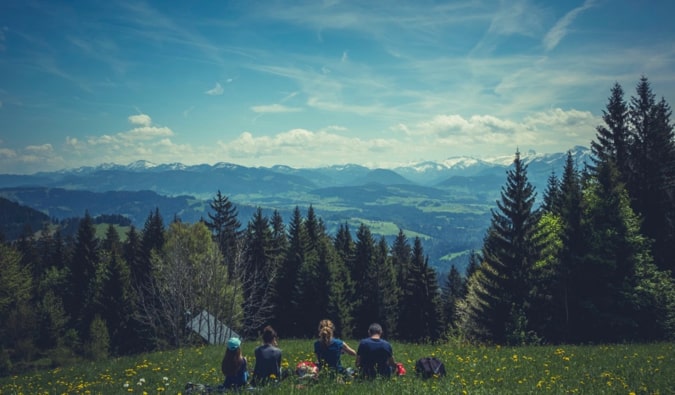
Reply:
x=498 y=299
x=571 y=270
x=286 y=315
x=617 y=268
x=364 y=263
x=82 y=301
x=258 y=273
x=224 y=226
x=651 y=184
x=117 y=305
x=421 y=310
x=612 y=139
x=452 y=291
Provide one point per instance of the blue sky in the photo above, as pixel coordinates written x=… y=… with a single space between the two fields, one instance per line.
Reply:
x=315 y=83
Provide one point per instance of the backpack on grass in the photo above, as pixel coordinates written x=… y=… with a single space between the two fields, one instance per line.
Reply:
x=429 y=367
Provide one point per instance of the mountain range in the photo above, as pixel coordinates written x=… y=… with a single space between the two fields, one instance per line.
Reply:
x=447 y=203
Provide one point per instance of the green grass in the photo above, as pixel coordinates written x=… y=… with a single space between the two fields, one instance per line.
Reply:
x=606 y=369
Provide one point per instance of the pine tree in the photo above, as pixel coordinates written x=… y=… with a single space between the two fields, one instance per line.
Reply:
x=224 y=226
x=498 y=297
x=344 y=245
x=287 y=316
x=616 y=253
x=385 y=285
x=364 y=263
x=279 y=240
x=259 y=273
x=571 y=271
x=401 y=254
x=551 y=199
x=453 y=290
x=611 y=143
x=421 y=310
x=152 y=239
x=83 y=281
x=339 y=289
x=652 y=181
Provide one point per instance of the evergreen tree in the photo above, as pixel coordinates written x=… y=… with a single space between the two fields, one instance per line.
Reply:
x=621 y=282
x=152 y=239
x=401 y=254
x=286 y=315
x=313 y=276
x=652 y=181
x=17 y=323
x=612 y=139
x=552 y=196
x=258 y=274
x=364 y=263
x=571 y=270
x=339 y=290
x=454 y=289
x=117 y=304
x=224 y=226
x=385 y=285
x=496 y=306
x=279 y=240
x=83 y=282
x=344 y=245
x=421 y=312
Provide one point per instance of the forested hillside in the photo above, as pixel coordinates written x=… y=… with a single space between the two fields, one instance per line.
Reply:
x=592 y=263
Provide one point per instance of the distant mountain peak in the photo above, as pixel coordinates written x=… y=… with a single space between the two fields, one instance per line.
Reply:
x=141 y=165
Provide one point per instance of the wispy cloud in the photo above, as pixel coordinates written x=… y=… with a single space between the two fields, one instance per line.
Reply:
x=274 y=108
x=217 y=90
x=561 y=28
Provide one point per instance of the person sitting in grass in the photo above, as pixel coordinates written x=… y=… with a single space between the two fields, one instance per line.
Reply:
x=267 y=359
x=328 y=349
x=375 y=355
x=234 y=366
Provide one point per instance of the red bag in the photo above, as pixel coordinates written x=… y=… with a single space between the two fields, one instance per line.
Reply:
x=400 y=369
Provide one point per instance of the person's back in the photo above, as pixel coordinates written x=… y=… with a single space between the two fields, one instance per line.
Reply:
x=234 y=366
x=375 y=356
x=328 y=349
x=329 y=355
x=267 y=359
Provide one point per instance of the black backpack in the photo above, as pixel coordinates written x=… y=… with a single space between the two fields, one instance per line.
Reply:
x=429 y=366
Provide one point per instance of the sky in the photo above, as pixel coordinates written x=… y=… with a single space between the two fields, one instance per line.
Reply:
x=316 y=83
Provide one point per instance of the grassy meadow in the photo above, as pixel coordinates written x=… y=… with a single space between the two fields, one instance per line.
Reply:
x=603 y=369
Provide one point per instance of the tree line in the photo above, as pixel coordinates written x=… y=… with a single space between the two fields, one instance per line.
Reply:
x=593 y=263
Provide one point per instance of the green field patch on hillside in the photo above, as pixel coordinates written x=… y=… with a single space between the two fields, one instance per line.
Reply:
x=385 y=228
x=102 y=229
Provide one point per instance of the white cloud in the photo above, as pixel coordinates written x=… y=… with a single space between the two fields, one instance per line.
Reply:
x=146 y=133
x=40 y=148
x=6 y=153
x=140 y=119
x=216 y=90
x=274 y=108
x=560 y=29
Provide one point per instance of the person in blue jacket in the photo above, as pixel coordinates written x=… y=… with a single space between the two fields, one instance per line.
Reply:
x=329 y=349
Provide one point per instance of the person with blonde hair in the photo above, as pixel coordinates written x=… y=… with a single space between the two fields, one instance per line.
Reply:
x=329 y=349
x=234 y=366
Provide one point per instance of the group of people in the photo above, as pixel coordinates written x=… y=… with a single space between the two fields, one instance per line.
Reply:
x=374 y=356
